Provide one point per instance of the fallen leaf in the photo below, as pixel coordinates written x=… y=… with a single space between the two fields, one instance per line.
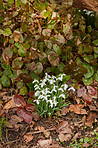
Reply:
x=19 y=100
x=77 y=109
x=30 y=107
x=36 y=116
x=14 y=120
x=92 y=91
x=31 y=94
x=87 y=98
x=90 y=119
x=40 y=128
x=81 y=92
x=63 y=127
x=8 y=105
x=77 y=135
x=47 y=134
x=45 y=143
x=27 y=116
x=64 y=110
x=64 y=137
x=28 y=137
x=93 y=108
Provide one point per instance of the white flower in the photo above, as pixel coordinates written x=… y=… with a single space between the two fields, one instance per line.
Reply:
x=62 y=95
x=65 y=86
x=60 y=77
x=51 y=81
x=61 y=89
x=37 y=93
x=47 y=77
x=51 y=103
x=71 y=88
x=35 y=81
x=42 y=84
x=37 y=101
x=54 y=89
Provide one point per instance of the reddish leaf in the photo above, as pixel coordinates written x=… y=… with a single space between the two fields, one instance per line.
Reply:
x=77 y=109
x=35 y=115
x=19 y=101
x=20 y=112
x=87 y=98
x=31 y=94
x=30 y=107
x=27 y=117
x=81 y=92
x=92 y=91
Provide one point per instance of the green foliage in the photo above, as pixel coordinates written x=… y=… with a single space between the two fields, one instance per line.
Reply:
x=91 y=141
x=35 y=37
x=3 y=122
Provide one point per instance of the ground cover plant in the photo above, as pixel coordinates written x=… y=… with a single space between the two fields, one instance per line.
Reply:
x=48 y=75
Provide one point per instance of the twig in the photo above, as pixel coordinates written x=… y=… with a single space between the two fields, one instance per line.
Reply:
x=37 y=132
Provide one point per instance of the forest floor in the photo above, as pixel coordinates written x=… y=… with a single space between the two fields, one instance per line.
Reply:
x=75 y=129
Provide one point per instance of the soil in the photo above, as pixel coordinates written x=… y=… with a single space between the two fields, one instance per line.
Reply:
x=13 y=136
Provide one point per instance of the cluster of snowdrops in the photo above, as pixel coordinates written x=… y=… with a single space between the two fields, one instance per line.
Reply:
x=50 y=93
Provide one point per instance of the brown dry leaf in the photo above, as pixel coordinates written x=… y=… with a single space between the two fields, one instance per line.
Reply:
x=18 y=36
x=77 y=109
x=47 y=134
x=64 y=137
x=59 y=38
x=2 y=94
x=93 y=108
x=63 y=127
x=64 y=110
x=76 y=136
x=40 y=128
x=35 y=115
x=14 y=120
x=90 y=119
x=53 y=58
x=8 y=105
x=45 y=143
x=28 y=137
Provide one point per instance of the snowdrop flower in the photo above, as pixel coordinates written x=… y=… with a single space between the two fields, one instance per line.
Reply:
x=61 y=89
x=71 y=88
x=52 y=81
x=62 y=95
x=42 y=84
x=37 y=101
x=51 y=103
x=65 y=86
x=54 y=89
x=47 y=76
x=60 y=77
x=35 y=81
x=53 y=77
x=37 y=93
